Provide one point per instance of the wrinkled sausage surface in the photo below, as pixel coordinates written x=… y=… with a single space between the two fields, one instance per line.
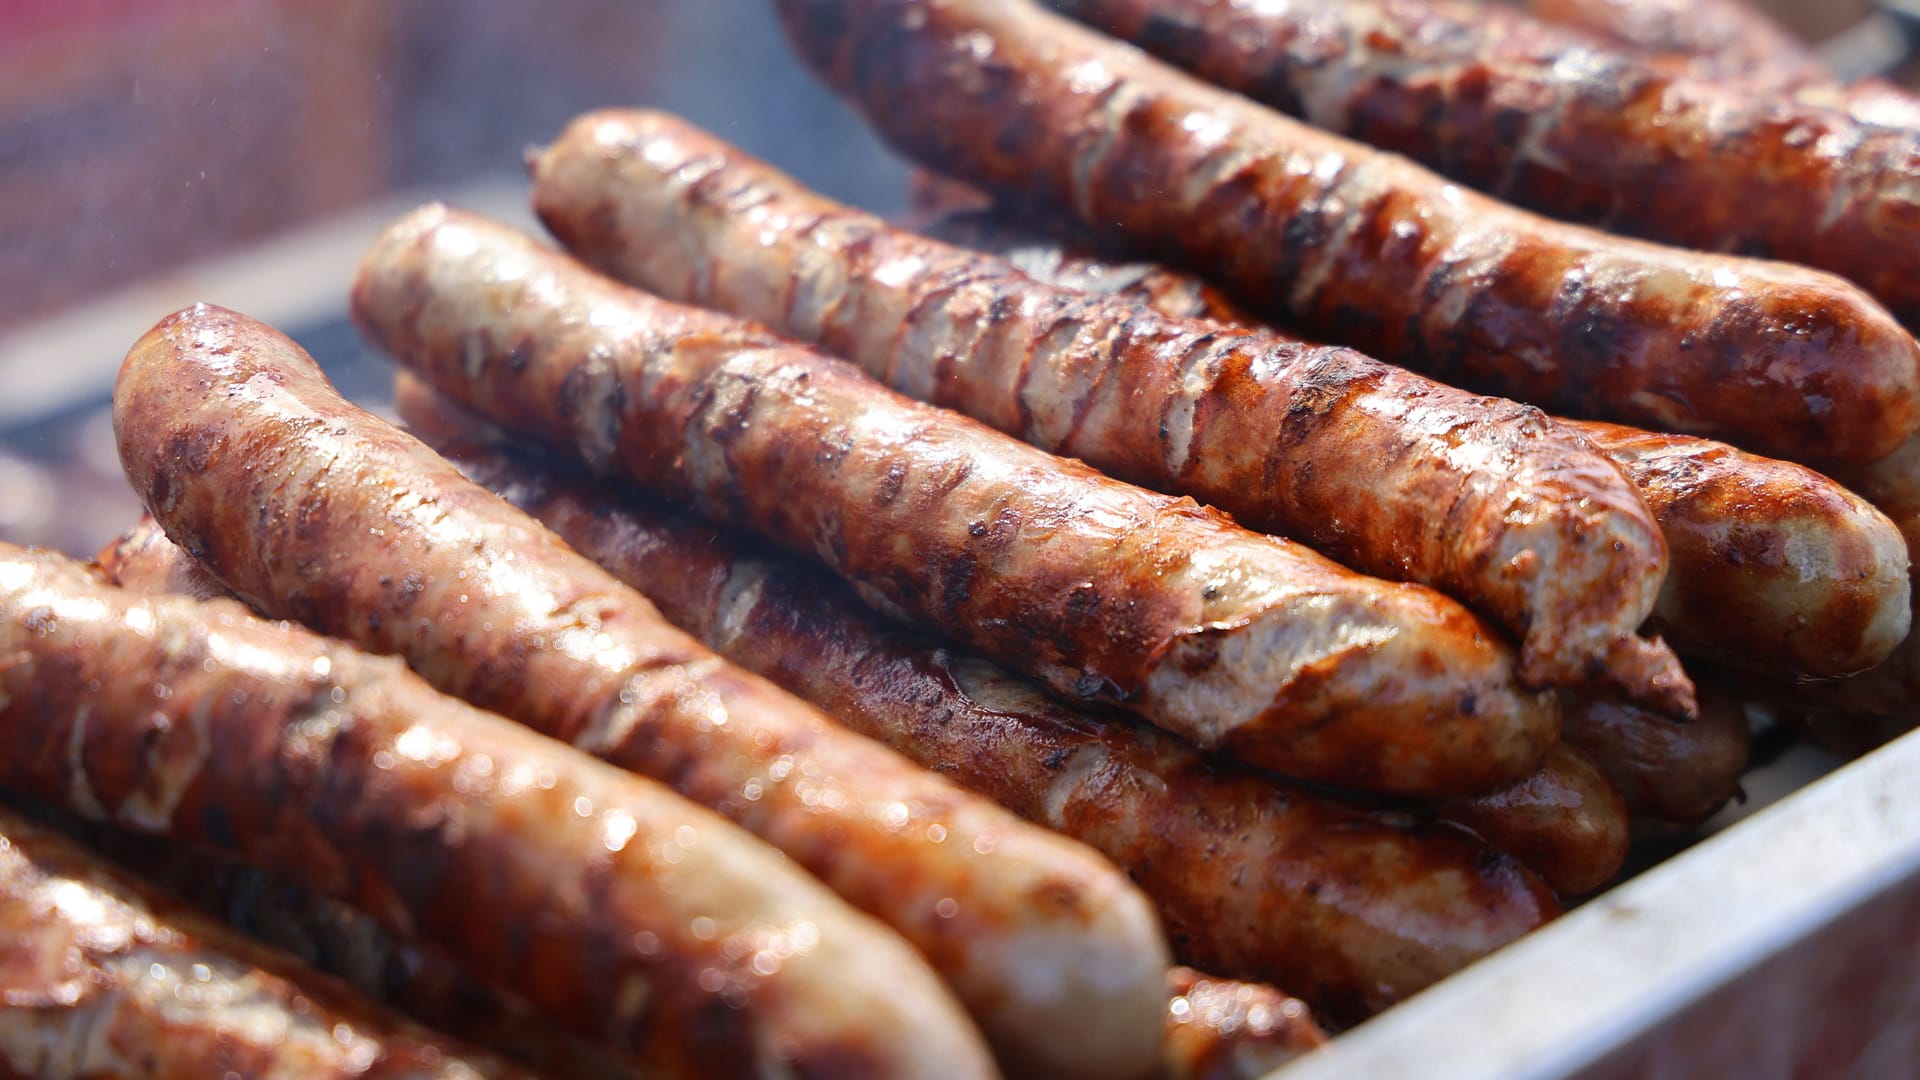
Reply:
x=103 y=976
x=1253 y=876
x=1361 y=247
x=1386 y=471
x=623 y=911
x=1105 y=591
x=314 y=509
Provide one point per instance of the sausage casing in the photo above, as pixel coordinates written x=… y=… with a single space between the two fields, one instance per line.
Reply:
x=1361 y=247
x=103 y=976
x=1671 y=772
x=1254 y=876
x=1220 y=1029
x=1539 y=117
x=1386 y=471
x=623 y=911
x=1105 y=591
x=1771 y=566
x=1715 y=40
x=1775 y=568
x=311 y=508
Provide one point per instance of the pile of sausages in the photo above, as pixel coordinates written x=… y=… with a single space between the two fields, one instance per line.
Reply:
x=784 y=642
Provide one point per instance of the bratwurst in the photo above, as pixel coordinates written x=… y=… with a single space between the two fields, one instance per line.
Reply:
x=103 y=976
x=1363 y=248
x=1254 y=876
x=310 y=508
x=623 y=911
x=1386 y=471
x=1105 y=591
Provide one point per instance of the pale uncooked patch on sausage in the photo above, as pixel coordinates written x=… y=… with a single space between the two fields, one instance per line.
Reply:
x=1119 y=100
x=642 y=693
x=819 y=276
x=80 y=793
x=1067 y=365
x=745 y=587
x=1240 y=674
x=1063 y=789
x=170 y=772
x=1347 y=188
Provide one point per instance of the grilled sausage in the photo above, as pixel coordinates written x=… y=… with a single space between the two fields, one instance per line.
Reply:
x=1386 y=471
x=1857 y=713
x=621 y=910
x=144 y=560
x=1668 y=771
x=333 y=938
x=104 y=977
x=1106 y=591
x=1773 y=567
x=310 y=508
x=1524 y=111
x=1169 y=292
x=1236 y=861
x=1218 y=1029
x=1359 y=247
x=1715 y=40
x=1566 y=822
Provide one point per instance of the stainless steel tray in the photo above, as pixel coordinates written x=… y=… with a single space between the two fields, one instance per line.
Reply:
x=1785 y=945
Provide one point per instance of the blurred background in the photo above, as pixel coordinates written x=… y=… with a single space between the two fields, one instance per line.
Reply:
x=158 y=152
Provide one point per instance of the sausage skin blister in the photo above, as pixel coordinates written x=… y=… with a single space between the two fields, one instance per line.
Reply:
x=1361 y=247
x=1715 y=40
x=313 y=509
x=624 y=912
x=102 y=975
x=1231 y=857
x=1670 y=772
x=1106 y=591
x=1219 y=1029
x=1388 y=472
x=1541 y=118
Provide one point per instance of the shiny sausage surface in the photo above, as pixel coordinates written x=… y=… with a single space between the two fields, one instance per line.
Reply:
x=105 y=977
x=1361 y=247
x=314 y=509
x=1105 y=591
x=1383 y=470
x=1543 y=118
x=1254 y=876
x=626 y=913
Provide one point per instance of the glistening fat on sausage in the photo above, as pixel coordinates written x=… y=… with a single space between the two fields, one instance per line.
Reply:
x=1388 y=472
x=1771 y=566
x=101 y=975
x=1360 y=247
x=621 y=910
x=311 y=508
x=1255 y=877
x=1544 y=118
x=1105 y=591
